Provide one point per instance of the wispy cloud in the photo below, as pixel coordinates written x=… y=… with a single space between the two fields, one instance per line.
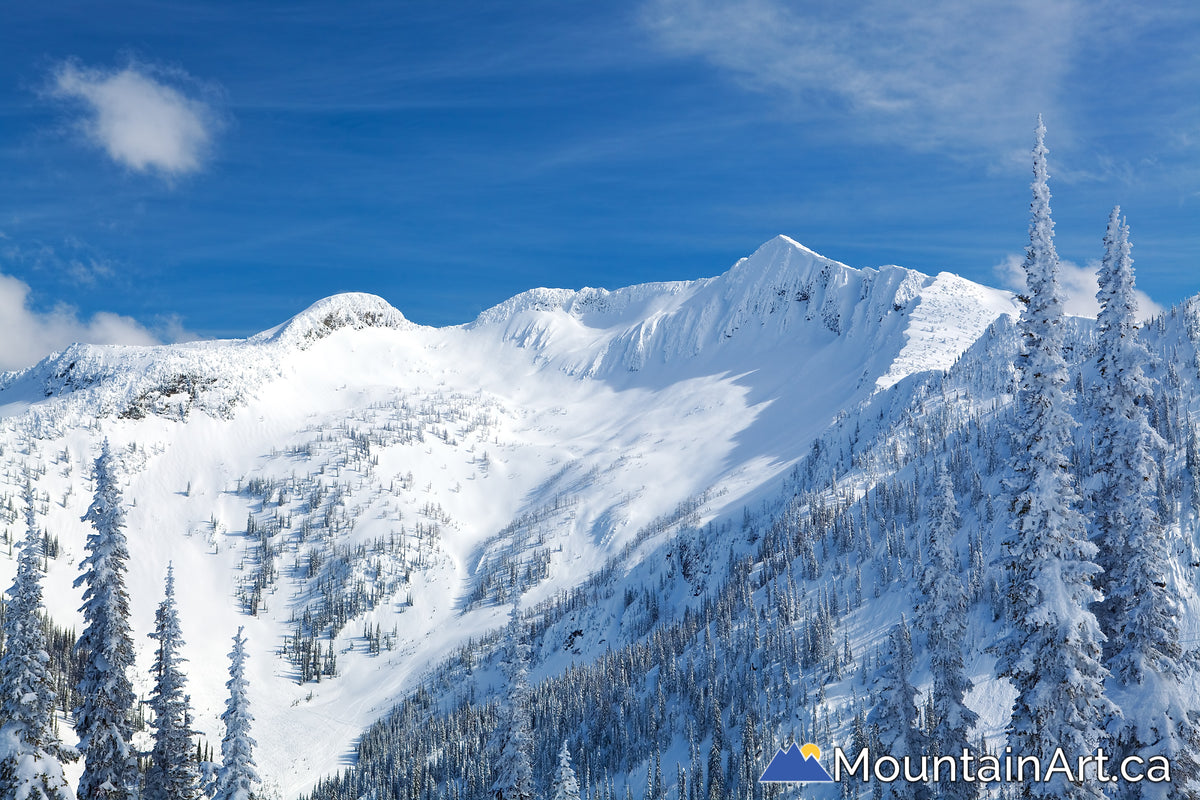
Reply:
x=958 y=74
x=1078 y=284
x=140 y=116
x=71 y=258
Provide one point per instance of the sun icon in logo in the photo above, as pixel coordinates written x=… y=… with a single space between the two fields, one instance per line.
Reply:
x=811 y=750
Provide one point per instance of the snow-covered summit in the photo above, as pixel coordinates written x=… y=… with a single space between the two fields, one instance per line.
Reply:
x=353 y=310
x=170 y=380
x=783 y=301
x=783 y=295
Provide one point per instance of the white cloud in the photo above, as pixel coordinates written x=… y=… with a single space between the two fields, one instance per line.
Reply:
x=27 y=336
x=1078 y=284
x=139 y=120
x=939 y=73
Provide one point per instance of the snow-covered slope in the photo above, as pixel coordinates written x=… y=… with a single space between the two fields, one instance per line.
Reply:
x=350 y=471
x=894 y=321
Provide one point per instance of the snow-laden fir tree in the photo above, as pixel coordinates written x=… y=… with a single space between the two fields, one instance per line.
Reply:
x=173 y=773
x=514 y=738
x=944 y=618
x=895 y=715
x=31 y=754
x=1053 y=654
x=654 y=782
x=716 y=776
x=237 y=777
x=860 y=739
x=103 y=718
x=566 y=787
x=1139 y=613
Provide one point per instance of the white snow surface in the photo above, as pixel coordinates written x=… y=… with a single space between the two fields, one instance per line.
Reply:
x=598 y=411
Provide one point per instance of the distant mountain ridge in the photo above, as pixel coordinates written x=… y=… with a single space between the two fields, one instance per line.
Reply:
x=595 y=332
x=769 y=294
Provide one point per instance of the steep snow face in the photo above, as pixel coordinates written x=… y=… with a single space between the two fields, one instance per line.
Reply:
x=885 y=323
x=950 y=311
x=350 y=472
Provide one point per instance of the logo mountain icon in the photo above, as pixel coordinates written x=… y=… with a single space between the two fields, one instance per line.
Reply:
x=796 y=765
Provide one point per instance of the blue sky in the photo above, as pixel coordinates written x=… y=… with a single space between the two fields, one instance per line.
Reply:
x=176 y=169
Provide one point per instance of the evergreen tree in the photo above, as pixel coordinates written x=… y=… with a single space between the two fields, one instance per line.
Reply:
x=566 y=787
x=896 y=714
x=514 y=771
x=173 y=774
x=1053 y=654
x=102 y=719
x=860 y=740
x=237 y=776
x=31 y=754
x=944 y=618
x=716 y=777
x=1139 y=614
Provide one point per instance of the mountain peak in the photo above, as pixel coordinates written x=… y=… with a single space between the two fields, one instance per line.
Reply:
x=781 y=260
x=354 y=310
x=782 y=295
x=784 y=241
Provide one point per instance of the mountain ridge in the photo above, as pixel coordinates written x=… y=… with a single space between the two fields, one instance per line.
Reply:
x=352 y=451
x=596 y=332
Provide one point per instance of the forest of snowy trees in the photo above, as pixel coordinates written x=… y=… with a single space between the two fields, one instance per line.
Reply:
x=31 y=752
x=1045 y=533
x=1021 y=526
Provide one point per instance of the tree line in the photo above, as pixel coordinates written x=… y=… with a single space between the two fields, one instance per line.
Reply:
x=32 y=754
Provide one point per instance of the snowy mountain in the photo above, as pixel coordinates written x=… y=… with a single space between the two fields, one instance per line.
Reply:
x=349 y=454
x=735 y=469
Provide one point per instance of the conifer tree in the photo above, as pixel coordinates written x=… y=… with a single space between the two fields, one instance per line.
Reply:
x=31 y=754
x=944 y=618
x=896 y=714
x=860 y=740
x=1139 y=614
x=514 y=770
x=566 y=786
x=237 y=776
x=716 y=777
x=173 y=774
x=1053 y=655
x=102 y=719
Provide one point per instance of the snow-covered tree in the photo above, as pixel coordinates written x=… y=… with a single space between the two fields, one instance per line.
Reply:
x=716 y=776
x=566 y=787
x=31 y=754
x=237 y=776
x=1139 y=613
x=514 y=770
x=896 y=715
x=102 y=719
x=173 y=774
x=944 y=618
x=1053 y=655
